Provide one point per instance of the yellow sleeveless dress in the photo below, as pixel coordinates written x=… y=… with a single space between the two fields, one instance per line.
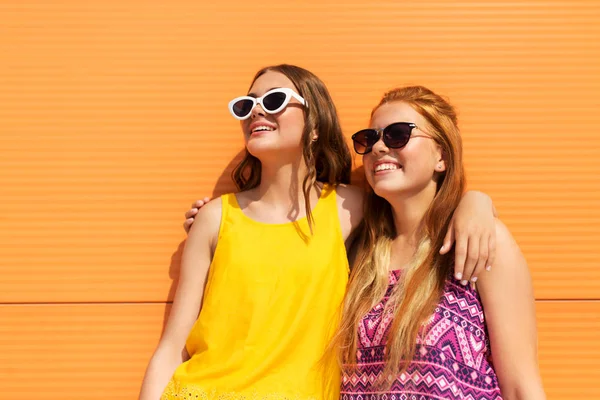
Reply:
x=271 y=305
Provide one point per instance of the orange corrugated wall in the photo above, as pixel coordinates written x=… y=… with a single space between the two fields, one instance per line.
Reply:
x=113 y=119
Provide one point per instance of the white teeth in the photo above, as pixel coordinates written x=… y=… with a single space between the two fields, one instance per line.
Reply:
x=262 y=128
x=382 y=167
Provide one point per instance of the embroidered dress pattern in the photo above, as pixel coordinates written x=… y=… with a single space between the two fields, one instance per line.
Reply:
x=452 y=360
x=192 y=392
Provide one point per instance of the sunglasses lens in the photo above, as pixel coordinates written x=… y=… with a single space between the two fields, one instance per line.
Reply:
x=274 y=101
x=243 y=107
x=364 y=140
x=397 y=135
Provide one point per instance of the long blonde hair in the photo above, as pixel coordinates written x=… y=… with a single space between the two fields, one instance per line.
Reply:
x=419 y=290
x=328 y=158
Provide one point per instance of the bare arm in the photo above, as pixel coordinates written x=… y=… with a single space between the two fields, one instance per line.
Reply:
x=195 y=262
x=508 y=303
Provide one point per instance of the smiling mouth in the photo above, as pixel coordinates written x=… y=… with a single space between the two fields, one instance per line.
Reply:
x=262 y=128
x=387 y=167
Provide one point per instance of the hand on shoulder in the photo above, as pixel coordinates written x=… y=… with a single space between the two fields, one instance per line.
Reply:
x=207 y=222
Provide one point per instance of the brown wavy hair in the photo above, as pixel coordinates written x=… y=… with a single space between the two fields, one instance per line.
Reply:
x=328 y=158
x=420 y=288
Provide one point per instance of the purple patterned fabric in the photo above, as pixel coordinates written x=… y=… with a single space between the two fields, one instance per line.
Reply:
x=452 y=360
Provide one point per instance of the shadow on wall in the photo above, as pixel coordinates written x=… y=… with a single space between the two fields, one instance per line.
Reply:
x=224 y=185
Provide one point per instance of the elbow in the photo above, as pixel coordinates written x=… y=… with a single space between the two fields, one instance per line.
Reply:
x=165 y=361
x=167 y=354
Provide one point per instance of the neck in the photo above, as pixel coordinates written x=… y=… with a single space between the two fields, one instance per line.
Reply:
x=281 y=183
x=409 y=210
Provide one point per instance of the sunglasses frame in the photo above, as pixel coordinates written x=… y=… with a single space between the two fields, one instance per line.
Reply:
x=381 y=133
x=289 y=94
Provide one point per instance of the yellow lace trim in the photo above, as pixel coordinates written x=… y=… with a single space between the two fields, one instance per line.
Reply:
x=179 y=391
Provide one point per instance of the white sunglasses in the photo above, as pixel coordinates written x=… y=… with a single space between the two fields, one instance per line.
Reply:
x=272 y=102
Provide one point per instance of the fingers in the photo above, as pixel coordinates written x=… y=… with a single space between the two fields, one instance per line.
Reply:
x=191 y=213
x=188 y=224
x=471 y=259
x=482 y=262
x=448 y=239
x=198 y=204
x=474 y=253
x=460 y=255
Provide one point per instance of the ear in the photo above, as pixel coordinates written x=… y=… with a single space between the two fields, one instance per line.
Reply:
x=440 y=165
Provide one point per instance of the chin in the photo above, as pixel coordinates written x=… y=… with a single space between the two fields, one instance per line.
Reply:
x=390 y=188
x=260 y=147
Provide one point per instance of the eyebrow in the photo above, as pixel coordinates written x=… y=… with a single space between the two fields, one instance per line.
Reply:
x=268 y=90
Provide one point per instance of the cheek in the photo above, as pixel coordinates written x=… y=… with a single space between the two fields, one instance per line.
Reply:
x=366 y=161
x=420 y=158
x=368 y=167
x=291 y=117
x=291 y=128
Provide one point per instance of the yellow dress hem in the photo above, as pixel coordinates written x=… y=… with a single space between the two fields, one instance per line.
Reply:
x=180 y=391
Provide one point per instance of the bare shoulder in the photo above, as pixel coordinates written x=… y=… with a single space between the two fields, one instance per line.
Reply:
x=506 y=246
x=211 y=211
x=207 y=222
x=510 y=262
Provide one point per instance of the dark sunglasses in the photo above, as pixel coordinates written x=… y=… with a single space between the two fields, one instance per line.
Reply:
x=395 y=136
x=272 y=102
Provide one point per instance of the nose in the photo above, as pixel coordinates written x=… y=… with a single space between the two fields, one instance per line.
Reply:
x=379 y=147
x=257 y=111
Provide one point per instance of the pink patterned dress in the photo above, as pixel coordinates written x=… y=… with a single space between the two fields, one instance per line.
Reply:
x=452 y=360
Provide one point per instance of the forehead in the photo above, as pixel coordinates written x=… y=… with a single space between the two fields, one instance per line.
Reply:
x=396 y=111
x=270 y=80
